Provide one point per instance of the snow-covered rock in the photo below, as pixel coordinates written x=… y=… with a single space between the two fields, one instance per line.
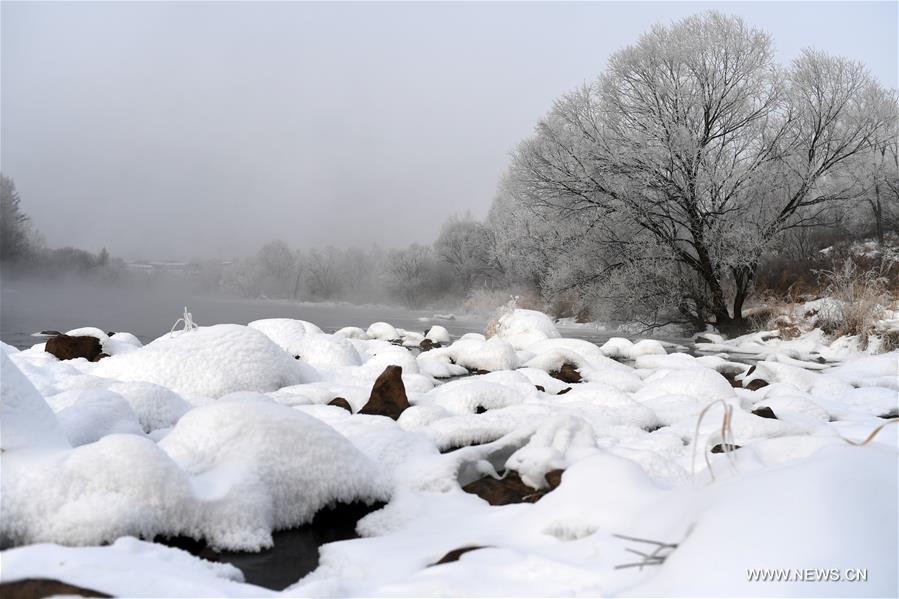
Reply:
x=210 y=361
x=522 y=328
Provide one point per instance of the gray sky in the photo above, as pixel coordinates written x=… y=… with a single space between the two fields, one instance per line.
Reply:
x=205 y=129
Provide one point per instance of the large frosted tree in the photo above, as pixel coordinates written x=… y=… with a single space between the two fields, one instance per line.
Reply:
x=694 y=150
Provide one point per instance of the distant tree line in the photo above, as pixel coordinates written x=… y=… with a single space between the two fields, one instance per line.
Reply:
x=24 y=251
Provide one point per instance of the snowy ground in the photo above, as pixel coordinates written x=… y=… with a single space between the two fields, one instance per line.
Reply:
x=221 y=434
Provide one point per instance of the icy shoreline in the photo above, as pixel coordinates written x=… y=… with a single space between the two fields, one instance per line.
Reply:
x=227 y=433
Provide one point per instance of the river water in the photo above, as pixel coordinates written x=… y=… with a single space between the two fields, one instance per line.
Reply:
x=27 y=307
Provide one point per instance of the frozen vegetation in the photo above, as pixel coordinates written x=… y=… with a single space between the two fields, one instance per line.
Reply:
x=226 y=434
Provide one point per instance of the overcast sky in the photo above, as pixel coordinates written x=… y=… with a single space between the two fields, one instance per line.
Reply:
x=205 y=129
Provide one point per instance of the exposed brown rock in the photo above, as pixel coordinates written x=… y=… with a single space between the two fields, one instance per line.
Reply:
x=765 y=412
x=428 y=345
x=341 y=403
x=36 y=588
x=564 y=391
x=511 y=489
x=388 y=395
x=567 y=374
x=541 y=388
x=755 y=384
x=66 y=347
x=455 y=554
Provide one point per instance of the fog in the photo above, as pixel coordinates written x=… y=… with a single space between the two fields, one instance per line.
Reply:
x=164 y=130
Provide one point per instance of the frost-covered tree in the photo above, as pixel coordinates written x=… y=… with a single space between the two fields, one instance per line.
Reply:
x=322 y=273
x=15 y=232
x=465 y=245
x=695 y=142
x=414 y=275
x=277 y=266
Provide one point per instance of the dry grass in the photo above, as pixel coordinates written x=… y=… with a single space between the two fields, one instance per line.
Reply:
x=862 y=295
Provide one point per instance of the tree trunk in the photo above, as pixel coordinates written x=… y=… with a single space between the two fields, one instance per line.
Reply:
x=743 y=276
x=878 y=215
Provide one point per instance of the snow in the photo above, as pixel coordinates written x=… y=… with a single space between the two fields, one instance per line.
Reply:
x=522 y=328
x=382 y=331
x=210 y=361
x=438 y=334
x=236 y=451
x=287 y=333
x=95 y=414
x=222 y=434
x=27 y=420
x=128 y=566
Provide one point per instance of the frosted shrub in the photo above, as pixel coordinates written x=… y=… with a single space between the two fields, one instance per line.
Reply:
x=862 y=295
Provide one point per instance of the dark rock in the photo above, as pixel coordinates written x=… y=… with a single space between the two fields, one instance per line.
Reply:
x=755 y=384
x=722 y=448
x=652 y=428
x=50 y=333
x=341 y=403
x=890 y=415
x=732 y=379
x=554 y=478
x=455 y=554
x=541 y=388
x=428 y=345
x=388 y=395
x=511 y=489
x=765 y=412
x=454 y=447
x=36 y=588
x=567 y=374
x=478 y=371
x=564 y=391
x=66 y=347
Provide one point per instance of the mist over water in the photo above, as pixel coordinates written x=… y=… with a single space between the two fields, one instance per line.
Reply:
x=31 y=305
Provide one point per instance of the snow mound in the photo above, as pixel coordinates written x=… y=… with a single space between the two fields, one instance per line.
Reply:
x=624 y=349
x=700 y=383
x=829 y=532
x=351 y=333
x=156 y=407
x=558 y=442
x=382 y=331
x=438 y=334
x=95 y=414
x=126 y=565
x=290 y=464
x=285 y=332
x=493 y=354
x=326 y=351
x=210 y=361
x=120 y=485
x=26 y=419
x=522 y=328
